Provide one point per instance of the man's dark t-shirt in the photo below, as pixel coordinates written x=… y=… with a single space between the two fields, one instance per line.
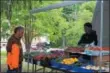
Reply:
x=89 y=38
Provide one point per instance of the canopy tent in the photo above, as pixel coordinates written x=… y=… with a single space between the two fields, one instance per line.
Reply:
x=67 y=3
x=55 y=6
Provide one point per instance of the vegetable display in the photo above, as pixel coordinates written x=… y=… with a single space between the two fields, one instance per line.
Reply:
x=69 y=61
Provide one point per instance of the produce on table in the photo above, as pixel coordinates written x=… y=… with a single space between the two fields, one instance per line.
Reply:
x=78 y=64
x=99 y=48
x=88 y=67
x=69 y=61
x=31 y=54
x=75 y=49
x=59 y=59
x=96 y=51
x=41 y=56
x=46 y=61
x=97 y=68
x=106 y=48
x=94 y=67
x=58 y=53
x=107 y=69
x=53 y=55
x=94 y=48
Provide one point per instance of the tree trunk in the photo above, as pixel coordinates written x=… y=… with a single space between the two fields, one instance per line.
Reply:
x=9 y=12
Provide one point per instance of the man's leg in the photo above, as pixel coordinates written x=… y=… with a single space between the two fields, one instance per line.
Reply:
x=20 y=68
x=15 y=71
x=8 y=70
x=11 y=71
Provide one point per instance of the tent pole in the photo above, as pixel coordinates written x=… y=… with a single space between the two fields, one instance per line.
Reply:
x=101 y=34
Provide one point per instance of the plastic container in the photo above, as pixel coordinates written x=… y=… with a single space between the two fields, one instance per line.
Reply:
x=55 y=64
x=66 y=67
x=70 y=68
x=92 y=53
x=79 y=69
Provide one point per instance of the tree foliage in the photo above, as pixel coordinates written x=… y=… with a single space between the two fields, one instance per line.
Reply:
x=57 y=23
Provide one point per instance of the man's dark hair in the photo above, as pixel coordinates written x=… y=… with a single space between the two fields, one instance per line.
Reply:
x=88 y=24
x=18 y=28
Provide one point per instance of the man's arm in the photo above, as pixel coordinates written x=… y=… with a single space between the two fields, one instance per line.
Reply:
x=81 y=40
x=95 y=39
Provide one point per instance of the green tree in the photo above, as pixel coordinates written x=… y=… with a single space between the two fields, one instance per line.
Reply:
x=84 y=14
x=66 y=22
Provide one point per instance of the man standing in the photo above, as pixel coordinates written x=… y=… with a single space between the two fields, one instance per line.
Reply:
x=88 y=37
x=14 y=51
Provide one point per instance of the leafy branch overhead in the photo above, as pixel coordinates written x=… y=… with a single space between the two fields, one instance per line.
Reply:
x=58 y=23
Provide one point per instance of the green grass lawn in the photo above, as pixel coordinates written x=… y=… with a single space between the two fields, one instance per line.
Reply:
x=3 y=53
x=3 y=61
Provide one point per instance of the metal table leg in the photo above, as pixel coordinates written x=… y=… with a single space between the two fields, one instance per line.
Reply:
x=28 y=65
x=55 y=71
x=35 y=67
x=51 y=71
x=43 y=69
x=32 y=66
